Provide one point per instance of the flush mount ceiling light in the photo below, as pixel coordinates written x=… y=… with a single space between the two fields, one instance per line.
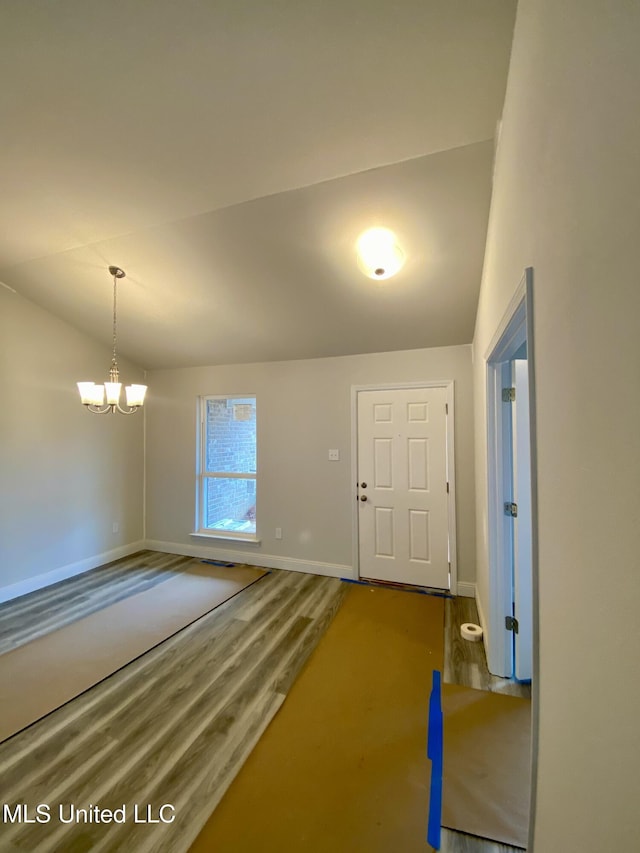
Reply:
x=379 y=255
x=93 y=396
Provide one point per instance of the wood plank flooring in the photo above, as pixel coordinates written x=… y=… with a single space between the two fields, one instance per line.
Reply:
x=175 y=725
x=171 y=727
x=465 y=663
x=46 y=610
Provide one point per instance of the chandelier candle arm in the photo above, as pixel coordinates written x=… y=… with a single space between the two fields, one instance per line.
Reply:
x=93 y=396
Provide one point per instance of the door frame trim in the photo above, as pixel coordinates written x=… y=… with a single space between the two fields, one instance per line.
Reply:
x=516 y=326
x=519 y=312
x=448 y=385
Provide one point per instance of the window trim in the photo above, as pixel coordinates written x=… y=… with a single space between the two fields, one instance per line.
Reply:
x=202 y=475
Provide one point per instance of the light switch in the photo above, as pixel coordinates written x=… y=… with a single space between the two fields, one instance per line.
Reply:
x=334 y=456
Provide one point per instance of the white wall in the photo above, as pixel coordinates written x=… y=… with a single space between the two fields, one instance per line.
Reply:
x=567 y=202
x=303 y=409
x=65 y=475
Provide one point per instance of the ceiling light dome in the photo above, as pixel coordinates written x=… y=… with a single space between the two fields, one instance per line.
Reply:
x=379 y=255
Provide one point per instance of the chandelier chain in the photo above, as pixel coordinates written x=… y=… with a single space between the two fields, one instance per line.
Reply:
x=115 y=280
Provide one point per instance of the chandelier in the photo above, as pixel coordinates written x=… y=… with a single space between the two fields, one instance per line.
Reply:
x=93 y=396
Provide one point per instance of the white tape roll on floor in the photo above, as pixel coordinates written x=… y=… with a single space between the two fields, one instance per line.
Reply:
x=471 y=632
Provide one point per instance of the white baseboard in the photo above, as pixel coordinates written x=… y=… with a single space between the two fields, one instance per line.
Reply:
x=466 y=589
x=265 y=561
x=483 y=625
x=15 y=590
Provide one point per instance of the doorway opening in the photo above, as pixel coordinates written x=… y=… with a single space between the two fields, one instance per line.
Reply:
x=512 y=540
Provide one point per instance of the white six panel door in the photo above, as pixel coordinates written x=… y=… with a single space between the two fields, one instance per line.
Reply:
x=402 y=459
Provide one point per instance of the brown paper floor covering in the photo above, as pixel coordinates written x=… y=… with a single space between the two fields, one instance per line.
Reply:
x=486 y=776
x=343 y=765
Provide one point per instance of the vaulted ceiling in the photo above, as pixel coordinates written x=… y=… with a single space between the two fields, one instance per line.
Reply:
x=227 y=155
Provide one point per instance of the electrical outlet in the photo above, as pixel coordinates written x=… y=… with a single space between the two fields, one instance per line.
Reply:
x=115 y=527
x=278 y=533
x=334 y=456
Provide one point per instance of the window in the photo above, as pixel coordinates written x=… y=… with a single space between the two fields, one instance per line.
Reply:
x=227 y=467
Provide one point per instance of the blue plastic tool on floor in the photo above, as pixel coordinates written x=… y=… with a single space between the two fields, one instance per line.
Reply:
x=434 y=754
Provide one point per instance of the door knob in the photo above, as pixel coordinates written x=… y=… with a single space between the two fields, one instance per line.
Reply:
x=363 y=497
x=363 y=485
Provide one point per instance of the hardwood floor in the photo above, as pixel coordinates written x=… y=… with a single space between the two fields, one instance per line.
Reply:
x=175 y=725
x=458 y=842
x=46 y=610
x=172 y=726
x=465 y=662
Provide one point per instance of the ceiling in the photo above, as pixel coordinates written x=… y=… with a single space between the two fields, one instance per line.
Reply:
x=227 y=155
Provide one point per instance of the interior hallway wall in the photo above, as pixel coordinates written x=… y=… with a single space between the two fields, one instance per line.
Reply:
x=566 y=201
x=303 y=410
x=65 y=475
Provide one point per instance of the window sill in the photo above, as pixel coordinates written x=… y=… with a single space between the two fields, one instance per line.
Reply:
x=229 y=537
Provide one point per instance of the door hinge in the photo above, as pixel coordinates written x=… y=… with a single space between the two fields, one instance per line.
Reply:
x=446 y=408
x=511 y=624
x=508 y=395
x=511 y=509
x=447 y=488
